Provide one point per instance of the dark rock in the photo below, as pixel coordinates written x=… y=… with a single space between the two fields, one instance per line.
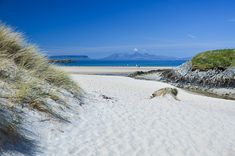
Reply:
x=60 y=61
x=210 y=78
x=213 y=82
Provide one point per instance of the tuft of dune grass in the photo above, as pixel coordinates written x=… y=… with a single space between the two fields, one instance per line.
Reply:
x=25 y=67
x=28 y=56
x=58 y=77
x=28 y=80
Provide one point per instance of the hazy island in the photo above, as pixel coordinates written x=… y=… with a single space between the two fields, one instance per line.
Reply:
x=140 y=56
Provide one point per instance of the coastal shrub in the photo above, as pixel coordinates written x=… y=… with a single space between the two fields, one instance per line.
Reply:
x=214 y=59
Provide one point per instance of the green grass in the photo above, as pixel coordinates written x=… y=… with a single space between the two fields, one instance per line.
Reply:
x=214 y=59
x=25 y=67
x=30 y=80
x=22 y=64
x=28 y=57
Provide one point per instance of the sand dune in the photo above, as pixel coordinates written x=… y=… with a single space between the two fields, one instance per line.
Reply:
x=118 y=118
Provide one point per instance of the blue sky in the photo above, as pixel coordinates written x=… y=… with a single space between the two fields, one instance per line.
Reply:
x=101 y=27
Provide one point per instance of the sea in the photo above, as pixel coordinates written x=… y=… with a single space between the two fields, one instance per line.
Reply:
x=126 y=63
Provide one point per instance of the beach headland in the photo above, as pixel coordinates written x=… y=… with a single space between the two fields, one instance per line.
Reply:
x=211 y=73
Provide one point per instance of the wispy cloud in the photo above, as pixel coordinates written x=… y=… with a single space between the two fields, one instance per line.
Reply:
x=137 y=47
x=176 y=49
x=231 y=20
x=191 y=36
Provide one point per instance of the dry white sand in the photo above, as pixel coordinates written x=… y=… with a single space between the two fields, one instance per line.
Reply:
x=108 y=70
x=130 y=124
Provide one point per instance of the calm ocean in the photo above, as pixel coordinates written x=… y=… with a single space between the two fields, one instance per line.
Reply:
x=123 y=63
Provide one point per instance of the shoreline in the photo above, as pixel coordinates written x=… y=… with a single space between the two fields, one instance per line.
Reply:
x=121 y=119
x=109 y=70
x=196 y=91
x=216 y=92
x=125 y=71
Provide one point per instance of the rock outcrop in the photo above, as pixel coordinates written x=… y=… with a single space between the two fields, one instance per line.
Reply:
x=210 y=78
x=214 y=82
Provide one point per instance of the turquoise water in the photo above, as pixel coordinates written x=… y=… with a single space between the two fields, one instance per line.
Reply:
x=143 y=63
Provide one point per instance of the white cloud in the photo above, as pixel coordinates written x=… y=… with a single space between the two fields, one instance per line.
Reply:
x=191 y=36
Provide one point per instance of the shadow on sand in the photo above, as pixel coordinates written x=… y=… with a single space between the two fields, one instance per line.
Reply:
x=14 y=139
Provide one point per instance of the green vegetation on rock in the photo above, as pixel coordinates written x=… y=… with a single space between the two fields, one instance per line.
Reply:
x=214 y=59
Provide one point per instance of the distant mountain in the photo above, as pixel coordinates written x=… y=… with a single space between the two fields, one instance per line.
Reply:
x=138 y=56
x=69 y=57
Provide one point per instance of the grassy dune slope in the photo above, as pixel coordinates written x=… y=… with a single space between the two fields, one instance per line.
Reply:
x=27 y=80
x=214 y=59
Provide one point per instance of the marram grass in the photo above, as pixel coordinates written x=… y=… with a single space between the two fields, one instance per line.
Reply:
x=27 y=79
x=27 y=56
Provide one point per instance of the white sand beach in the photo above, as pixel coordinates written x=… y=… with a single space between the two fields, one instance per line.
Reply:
x=118 y=118
x=108 y=70
x=117 y=78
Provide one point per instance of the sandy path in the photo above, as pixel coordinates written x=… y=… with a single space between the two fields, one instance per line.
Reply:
x=131 y=124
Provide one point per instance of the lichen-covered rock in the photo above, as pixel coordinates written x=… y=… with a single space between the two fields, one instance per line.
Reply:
x=209 y=78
